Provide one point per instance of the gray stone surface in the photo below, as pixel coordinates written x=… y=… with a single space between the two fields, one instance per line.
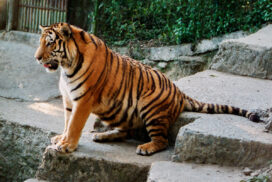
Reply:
x=114 y=161
x=21 y=150
x=21 y=77
x=250 y=56
x=225 y=139
x=31 y=39
x=185 y=172
x=170 y=52
x=184 y=66
x=213 y=44
x=223 y=88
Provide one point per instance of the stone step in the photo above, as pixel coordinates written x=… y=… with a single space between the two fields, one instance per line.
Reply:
x=185 y=172
x=220 y=138
x=113 y=161
x=250 y=56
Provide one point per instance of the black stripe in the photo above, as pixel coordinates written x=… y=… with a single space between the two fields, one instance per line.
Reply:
x=210 y=108
x=158 y=77
x=156 y=121
x=140 y=84
x=130 y=79
x=111 y=109
x=78 y=67
x=158 y=134
x=82 y=74
x=68 y=109
x=123 y=119
x=93 y=40
x=153 y=82
x=225 y=109
x=108 y=68
x=82 y=36
x=94 y=86
x=160 y=103
x=113 y=115
x=116 y=71
x=244 y=112
x=156 y=98
x=235 y=110
x=147 y=75
x=124 y=65
x=81 y=83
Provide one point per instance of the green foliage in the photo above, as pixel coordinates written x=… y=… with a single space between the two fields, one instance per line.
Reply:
x=259 y=178
x=178 y=21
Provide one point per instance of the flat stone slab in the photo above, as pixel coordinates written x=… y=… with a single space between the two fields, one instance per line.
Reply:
x=21 y=77
x=220 y=138
x=185 y=172
x=113 y=161
x=250 y=56
x=222 y=88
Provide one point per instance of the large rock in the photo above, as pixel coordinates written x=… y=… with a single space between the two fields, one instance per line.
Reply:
x=21 y=150
x=93 y=162
x=225 y=139
x=250 y=56
x=175 y=172
x=20 y=75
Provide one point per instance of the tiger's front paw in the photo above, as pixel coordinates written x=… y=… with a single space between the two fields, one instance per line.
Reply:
x=56 y=139
x=64 y=146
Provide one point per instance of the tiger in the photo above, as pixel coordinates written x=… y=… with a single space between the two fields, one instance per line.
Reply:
x=124 y=93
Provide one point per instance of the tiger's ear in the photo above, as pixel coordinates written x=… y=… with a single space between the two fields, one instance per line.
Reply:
x=65 y=31
x=43 y=27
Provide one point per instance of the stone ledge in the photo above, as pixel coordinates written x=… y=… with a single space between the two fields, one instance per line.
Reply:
x=224 y=140
x=31 y=39
x=174 y=172
x=249 y=56
x=112 y=161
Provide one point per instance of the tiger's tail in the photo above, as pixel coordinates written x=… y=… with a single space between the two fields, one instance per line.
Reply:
x=196 y=106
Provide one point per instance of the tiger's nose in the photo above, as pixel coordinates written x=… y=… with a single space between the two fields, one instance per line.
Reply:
x=38 y=57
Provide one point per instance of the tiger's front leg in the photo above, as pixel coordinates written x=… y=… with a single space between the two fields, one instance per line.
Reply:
x=67 y=105
x=78 y=118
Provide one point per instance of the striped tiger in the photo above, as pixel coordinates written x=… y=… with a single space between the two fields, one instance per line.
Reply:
x=122 y=92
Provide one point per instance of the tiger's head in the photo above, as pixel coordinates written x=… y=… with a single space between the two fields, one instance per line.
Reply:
x=53 y=50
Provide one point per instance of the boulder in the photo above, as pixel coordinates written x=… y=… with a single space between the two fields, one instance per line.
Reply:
x=249 y=56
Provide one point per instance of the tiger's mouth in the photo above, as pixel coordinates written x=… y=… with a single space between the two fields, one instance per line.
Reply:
x=51 y=65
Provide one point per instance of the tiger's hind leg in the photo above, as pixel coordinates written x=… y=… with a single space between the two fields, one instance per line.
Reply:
x=157 y=131
x=109 y=135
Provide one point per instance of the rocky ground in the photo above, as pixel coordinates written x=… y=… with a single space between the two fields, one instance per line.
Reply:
x=204 y=147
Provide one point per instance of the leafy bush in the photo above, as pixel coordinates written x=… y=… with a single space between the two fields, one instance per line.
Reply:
x=177 y=21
